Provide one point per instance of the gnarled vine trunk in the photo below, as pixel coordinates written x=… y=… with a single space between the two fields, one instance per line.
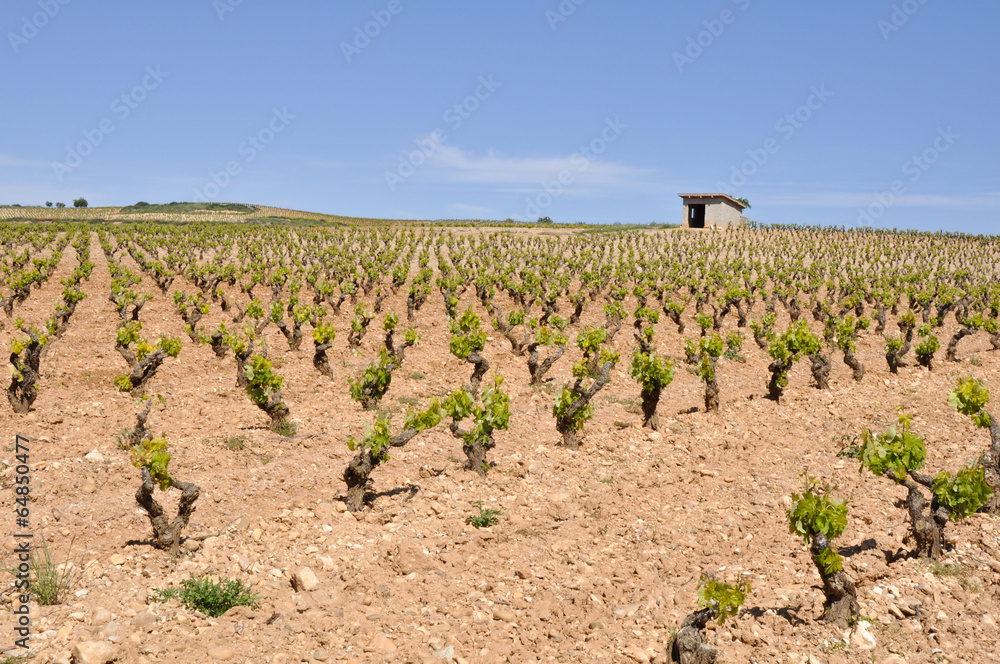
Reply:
x=479 y=369
x=166 y=532
x=951 y=354
x=564 y=423
x=841 y=605
x=857 y=368
x=538 y=367
x=688 y=645
x=821 y=366
x=358 y=471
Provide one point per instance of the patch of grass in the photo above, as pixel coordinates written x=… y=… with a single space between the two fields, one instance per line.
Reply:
x=15 y=659
x=974 y=360
x=487 y=517
x=629 y=405
x=213 y=598
x=51 y=582
x=850 y=445
x=416 y=375
x=285 y=428
x=622 y=425
x=408 y=401
x=834 y=647
x=607 y=480
x=938 y=568
x=237 y=443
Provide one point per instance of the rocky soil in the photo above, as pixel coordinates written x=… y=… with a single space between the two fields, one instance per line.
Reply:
x=597 y=553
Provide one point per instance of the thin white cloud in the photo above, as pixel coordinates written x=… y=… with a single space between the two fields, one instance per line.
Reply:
x=14 y=162
x=453 y=164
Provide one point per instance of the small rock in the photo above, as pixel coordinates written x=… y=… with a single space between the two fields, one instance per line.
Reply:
x=101 y=617
x=94 y=456
x=221 y=653
x=638 y=655
x=94 y=652
x=380 y=643
x=321 y=655
x=144 y=620
x=117 y=559
x=89 y=485
x=653 y=435
x=304 y=579
x=504 y=615
x=893 y=659
x=861 y=639
x=191 y=545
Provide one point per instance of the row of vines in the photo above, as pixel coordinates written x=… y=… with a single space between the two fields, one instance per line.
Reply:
x=596 y=303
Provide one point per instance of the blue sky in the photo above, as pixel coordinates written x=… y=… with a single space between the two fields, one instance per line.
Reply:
x=833 y=113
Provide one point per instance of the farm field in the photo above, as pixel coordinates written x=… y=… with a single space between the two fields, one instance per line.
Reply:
x=604 y=527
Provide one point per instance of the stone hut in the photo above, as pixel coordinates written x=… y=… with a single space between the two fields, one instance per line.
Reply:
x=707 y=210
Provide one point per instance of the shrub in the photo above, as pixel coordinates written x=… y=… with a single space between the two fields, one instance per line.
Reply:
x=264 y=390
x=572 y=407
x=211 y=597
x=373 y=449
x=151 y=457
x=899 y=454
x=785 y=350
x=719 y=601
x=819 y=519
x=467 y=340
x=359 y=325
x=144 y=358
x=25 y=356
x=50 y=583
x=970 y=398
x=492 y=415
x=704 y=355
x=927 y=346
x=487 y=517
x=653 y=374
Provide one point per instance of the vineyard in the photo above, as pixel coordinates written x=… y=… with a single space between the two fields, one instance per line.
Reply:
x=433 y=444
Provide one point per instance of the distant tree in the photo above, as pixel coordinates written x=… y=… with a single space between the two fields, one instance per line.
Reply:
x=80 y=203
x=60 y=205
x=545 y=220
x=48 y=203
x=141 y=204
x=745 y=202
